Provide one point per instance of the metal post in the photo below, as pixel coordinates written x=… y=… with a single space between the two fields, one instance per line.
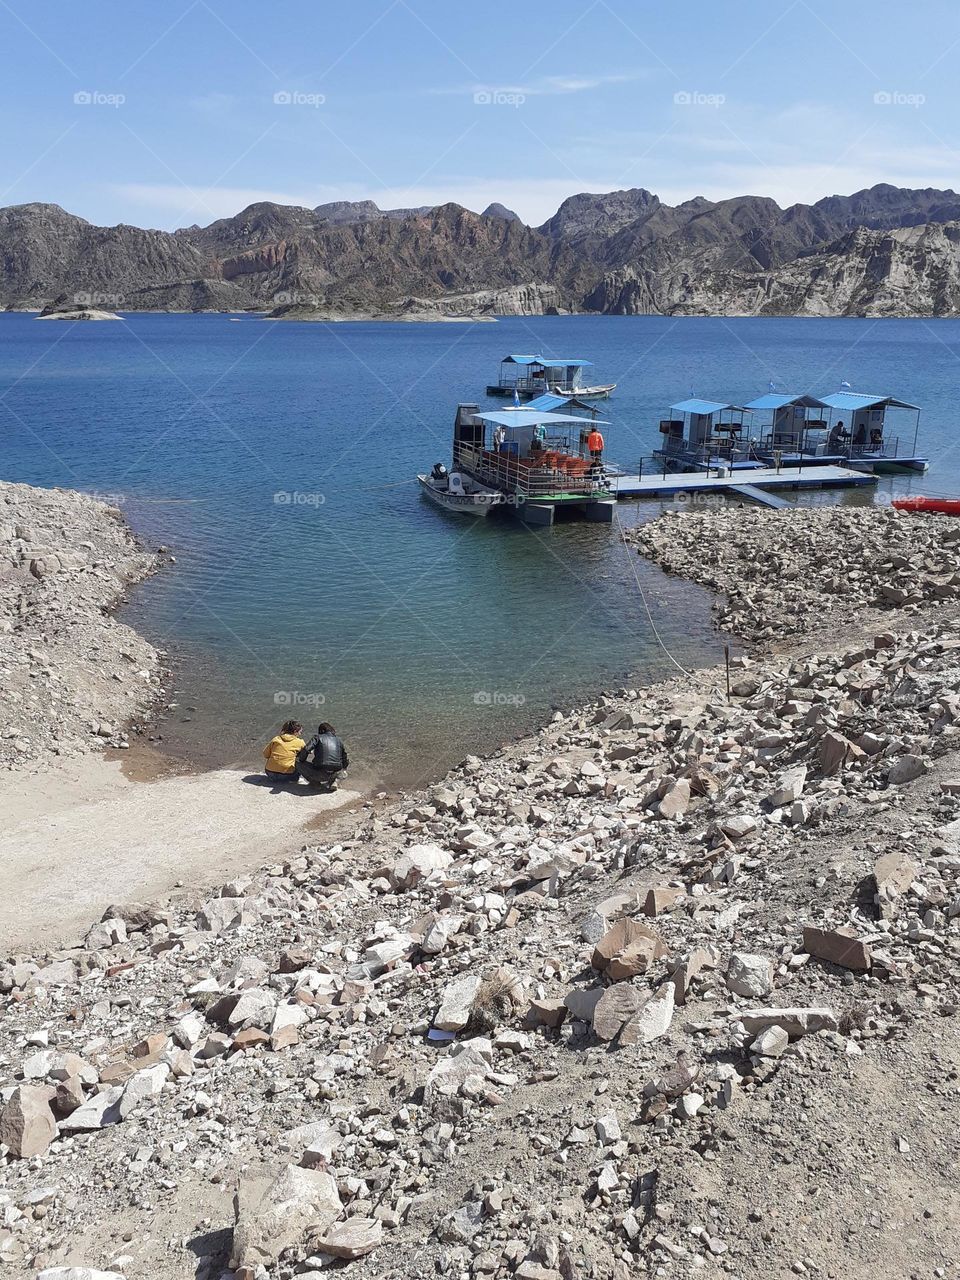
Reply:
x=726 y=658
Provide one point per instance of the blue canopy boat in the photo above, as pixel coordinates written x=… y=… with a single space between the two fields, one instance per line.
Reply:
x=702 y=434
x=859 y=432
x=538 y=460
x=791 y=425
x=526 y=376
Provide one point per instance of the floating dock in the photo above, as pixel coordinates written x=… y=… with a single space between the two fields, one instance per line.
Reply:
x=754 y=487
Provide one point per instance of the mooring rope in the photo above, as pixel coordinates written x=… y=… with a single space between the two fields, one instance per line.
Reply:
x=632 y=555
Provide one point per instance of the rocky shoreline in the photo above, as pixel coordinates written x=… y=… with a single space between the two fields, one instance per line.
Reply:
x=669 y=988
x=71 y=675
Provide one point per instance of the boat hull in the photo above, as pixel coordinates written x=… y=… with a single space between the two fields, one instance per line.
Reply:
x=586 y=393
x=461 y=504
x=942 y=506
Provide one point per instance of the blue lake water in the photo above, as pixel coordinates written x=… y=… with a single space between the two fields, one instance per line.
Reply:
x=421 y=636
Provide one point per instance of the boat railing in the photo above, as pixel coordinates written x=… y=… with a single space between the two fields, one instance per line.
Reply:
x=885 y=447
x=523 y=382
x=531 y=478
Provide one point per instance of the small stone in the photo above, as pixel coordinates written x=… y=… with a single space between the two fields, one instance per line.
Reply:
x=616 y=1006
x=749 y=975
x=352 y=1238
x=771 y=1043
x=457 y=1003
x=789 y=788
x=689 y=1104
x=796 y=1022
x=659 y=901
x=545 y=1013
x=98 y=1112
x=738 y=826
x=608 y=1129
x=417 y=863
x=27 y=1126
x=906 y=769
x=653 y=1019
x=837 y=946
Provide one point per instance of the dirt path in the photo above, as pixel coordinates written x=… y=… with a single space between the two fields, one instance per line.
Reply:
x=78 y=840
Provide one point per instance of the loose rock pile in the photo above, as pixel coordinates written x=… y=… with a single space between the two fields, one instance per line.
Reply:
x=670 y=988
x=70 y=675
x=787 y=572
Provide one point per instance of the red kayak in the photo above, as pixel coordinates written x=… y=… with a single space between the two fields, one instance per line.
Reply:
x=946 y=506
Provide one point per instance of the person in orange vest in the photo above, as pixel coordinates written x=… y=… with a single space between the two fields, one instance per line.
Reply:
x=595 y=449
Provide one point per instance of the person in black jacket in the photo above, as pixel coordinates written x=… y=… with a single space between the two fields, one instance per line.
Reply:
x=323 y=758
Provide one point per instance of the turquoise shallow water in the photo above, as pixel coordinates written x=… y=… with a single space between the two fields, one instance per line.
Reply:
x=421 y=636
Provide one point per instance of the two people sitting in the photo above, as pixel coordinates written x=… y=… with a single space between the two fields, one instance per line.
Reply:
x=288 y=758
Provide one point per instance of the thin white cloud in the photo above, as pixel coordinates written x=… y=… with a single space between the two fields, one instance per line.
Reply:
x=545 y=86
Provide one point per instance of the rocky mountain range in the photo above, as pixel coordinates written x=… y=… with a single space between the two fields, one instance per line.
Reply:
x=881 y=251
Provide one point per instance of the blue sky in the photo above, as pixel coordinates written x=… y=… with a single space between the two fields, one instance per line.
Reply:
x=167 y=114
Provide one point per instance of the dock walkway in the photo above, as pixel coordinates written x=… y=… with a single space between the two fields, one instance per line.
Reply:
x=761 y=479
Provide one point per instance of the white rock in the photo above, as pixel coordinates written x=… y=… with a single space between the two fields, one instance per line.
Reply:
x=439 y=933
x=749 y=975
x=789 y=787
x=273 y=1216
x=221 y=914
x=449 y=1074
x=417 y=863
x=98 y=1112
x=78 y=1273
x=608 y=1129
x=689 y=1104
x=108 y=933
x=738 y=826
x=771 y=1042
x=145 y=1084
x=655 y=1017
x=795 y=1021
x=189 y=1031
x=255 y=1008
x=457 y=1003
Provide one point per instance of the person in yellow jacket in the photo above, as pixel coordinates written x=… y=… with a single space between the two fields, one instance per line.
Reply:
x=280 y=753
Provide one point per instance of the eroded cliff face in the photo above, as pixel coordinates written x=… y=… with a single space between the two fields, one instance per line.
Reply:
x=885 y=251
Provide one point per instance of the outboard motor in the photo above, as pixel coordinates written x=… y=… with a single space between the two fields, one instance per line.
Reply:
x=439 y=471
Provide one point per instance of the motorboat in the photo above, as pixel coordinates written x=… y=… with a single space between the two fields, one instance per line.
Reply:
x=459 y=493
